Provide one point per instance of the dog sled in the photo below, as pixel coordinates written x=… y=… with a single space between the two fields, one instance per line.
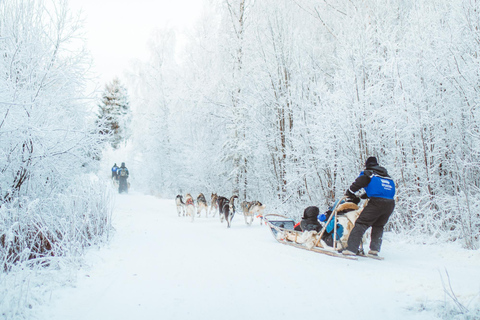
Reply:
x=282 y=229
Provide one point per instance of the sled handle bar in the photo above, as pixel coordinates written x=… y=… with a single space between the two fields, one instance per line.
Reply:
x=333 y=215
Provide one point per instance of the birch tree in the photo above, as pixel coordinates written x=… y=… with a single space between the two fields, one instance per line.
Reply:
x=235 y=25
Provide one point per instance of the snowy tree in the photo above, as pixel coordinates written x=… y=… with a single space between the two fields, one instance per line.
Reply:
x=234 y=148
x=49 y=205
x=114 y=116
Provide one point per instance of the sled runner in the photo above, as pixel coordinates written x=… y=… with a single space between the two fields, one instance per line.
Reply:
x=282 y=229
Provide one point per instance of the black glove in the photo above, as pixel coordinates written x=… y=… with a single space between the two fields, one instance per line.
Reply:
x=355 y=200
x=350 y=194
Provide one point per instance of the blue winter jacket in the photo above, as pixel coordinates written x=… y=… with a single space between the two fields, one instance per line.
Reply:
x=330 y=227
x=376 y=182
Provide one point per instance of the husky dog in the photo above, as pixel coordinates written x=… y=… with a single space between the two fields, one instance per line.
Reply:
x=214 y=204
x=202 y=205
x=231 y=212
x=180 y=205
x=190 y=206
x=222 y=202
x=226 y=209
x=115 y=182
x=250 y=209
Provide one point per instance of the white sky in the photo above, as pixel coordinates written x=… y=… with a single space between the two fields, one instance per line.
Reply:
x=118 y=30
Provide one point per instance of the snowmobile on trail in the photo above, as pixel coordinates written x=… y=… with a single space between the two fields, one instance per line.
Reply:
x=331 y=238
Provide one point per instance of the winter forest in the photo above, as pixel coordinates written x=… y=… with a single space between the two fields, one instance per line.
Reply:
x=280 y=101
x=283 y=101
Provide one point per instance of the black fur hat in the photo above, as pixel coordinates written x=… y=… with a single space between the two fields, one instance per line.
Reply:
x=311 y=212
x=371 y=162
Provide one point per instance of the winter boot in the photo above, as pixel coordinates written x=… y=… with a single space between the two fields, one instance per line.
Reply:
x=373 y=253
x=348 y=253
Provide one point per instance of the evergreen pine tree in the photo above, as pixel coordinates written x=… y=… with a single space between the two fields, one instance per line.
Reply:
x=114 y=113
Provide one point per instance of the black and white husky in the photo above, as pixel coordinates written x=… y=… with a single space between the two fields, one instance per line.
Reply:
x=226 y=209
x=180 y=205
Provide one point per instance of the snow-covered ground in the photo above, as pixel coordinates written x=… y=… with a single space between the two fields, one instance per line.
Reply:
x=160 y=266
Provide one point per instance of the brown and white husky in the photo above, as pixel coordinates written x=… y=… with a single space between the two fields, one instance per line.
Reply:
x=202 y=205
x=213 y=204
x=251 y=209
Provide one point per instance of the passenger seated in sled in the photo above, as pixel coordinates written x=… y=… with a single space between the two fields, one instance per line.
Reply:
x=312 y=220
x=309 y=220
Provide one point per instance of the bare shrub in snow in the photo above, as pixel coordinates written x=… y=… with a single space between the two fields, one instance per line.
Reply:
x=64 y=224
x=47 y=235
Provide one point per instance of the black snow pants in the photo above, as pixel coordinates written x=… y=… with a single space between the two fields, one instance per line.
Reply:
x=122 y=185
x=375 y=215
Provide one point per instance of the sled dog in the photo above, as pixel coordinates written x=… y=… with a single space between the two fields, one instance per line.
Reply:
x=180 y=205
x=202 y=205
x=221 y=203
x=214 y=204
x=115 y=182
x=190 y=206
x=231 y=212
x=250 y=209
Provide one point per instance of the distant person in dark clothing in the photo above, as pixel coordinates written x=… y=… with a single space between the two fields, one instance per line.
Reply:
x=122 y=176
x=380 y=190
x=114 y=171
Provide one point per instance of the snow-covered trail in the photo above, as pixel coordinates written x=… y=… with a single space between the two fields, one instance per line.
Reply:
x=160 y=266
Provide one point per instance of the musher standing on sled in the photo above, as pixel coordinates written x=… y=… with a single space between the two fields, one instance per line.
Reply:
x=380 y=190
x=122 y=176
